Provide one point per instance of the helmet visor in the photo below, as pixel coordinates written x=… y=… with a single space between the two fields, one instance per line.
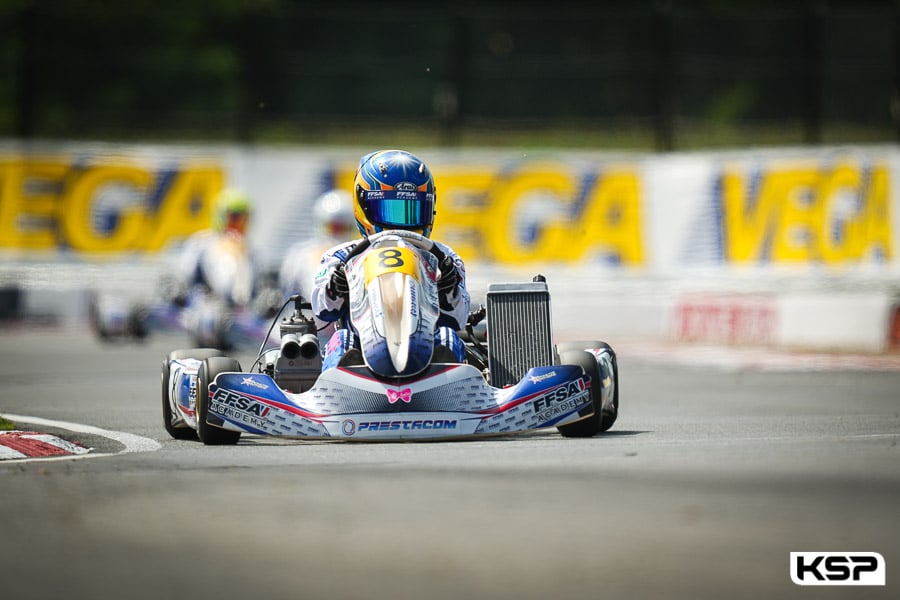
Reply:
x=236 y=221
x=394 y=208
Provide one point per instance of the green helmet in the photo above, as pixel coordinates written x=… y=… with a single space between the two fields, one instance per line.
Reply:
x=232 y=210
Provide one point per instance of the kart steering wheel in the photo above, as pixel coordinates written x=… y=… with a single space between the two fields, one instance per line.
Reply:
x=416 y=239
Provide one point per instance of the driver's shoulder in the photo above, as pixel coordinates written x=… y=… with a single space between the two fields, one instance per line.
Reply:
x=446 y=249
x=341 y=250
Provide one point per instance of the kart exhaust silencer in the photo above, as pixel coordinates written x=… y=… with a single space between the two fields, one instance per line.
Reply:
x=295 y=346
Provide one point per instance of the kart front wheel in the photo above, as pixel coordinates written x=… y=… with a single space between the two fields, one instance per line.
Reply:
x=602 y=419
x=209 y=369
x=179 y=433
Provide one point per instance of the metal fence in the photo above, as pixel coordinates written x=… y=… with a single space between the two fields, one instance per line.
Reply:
x=672 y=74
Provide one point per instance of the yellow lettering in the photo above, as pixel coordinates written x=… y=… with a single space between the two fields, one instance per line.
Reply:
x=878 y=237
x=746 y=220
x=540 y=200
x=460 y=220
x=28 y=203
x=186 y=208
x=805 y=214
x=841 y=221
x=509 y=205
x=795 y=232
x=45 y=204
x=611 y=221
x=77 y=213
x=527 y=215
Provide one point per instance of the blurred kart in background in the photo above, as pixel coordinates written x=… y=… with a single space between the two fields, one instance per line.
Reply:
x=205 y=319
x=231 y=308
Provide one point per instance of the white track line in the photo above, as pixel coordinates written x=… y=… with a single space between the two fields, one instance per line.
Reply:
x=132 y=442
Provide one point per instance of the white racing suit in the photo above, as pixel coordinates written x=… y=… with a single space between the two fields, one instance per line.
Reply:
x=221 y=263
x=326 y=308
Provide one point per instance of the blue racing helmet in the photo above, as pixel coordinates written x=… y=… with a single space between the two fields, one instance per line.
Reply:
x=393 y=190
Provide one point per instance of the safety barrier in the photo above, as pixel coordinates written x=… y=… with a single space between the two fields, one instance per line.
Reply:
x=793 y=247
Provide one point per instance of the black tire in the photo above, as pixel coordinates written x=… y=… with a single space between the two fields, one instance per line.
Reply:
x=209 y=369
x=607 y=418
x=94 y=319
x=601 y=420
x=137 y=323
x=180 y=433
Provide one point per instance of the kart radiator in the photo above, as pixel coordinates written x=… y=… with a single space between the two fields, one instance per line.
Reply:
x=519 y=334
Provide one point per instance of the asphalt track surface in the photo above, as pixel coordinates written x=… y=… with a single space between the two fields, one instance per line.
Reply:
x=707 y=482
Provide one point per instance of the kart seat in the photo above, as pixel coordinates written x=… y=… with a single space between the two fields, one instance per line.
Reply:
x=352 y=358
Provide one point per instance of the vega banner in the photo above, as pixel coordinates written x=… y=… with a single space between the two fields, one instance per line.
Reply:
x=644 y=212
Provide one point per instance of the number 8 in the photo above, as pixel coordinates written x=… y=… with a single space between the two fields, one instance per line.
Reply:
x=390 y=258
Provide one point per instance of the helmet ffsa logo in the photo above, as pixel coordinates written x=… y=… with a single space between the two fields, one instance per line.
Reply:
x=837 y=568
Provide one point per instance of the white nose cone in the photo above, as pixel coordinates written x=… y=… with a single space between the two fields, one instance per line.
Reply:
x=399 y=321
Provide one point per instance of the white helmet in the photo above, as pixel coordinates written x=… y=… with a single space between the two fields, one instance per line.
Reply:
x=333 y=215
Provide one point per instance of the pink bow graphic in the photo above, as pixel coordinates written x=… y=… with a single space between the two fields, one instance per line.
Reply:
x=394 y=395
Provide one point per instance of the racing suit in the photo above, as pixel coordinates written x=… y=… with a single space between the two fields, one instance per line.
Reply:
x=332 y=308
x=220 y=263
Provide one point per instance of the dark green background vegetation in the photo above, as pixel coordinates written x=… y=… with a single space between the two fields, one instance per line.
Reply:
x=664 y=74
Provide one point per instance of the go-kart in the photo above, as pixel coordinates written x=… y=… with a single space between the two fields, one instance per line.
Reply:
x=205 y=319
x=226 y=310
x=399 y=385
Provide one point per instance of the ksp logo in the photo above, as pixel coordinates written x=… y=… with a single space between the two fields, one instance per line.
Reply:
x=837 y=568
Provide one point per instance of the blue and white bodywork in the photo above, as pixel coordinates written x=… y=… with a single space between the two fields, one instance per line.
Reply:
x=450 y=400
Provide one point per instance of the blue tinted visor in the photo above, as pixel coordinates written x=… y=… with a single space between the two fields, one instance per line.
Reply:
x=394 y=208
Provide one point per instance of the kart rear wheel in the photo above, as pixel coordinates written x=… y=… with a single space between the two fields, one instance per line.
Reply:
x=180 y=433
x=137 y=323
x=601 y=420
x=209 y=369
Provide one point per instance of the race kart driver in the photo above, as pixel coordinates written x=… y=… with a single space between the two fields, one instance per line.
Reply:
x=219 y=259
x=333 y=223
x=379 y=207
